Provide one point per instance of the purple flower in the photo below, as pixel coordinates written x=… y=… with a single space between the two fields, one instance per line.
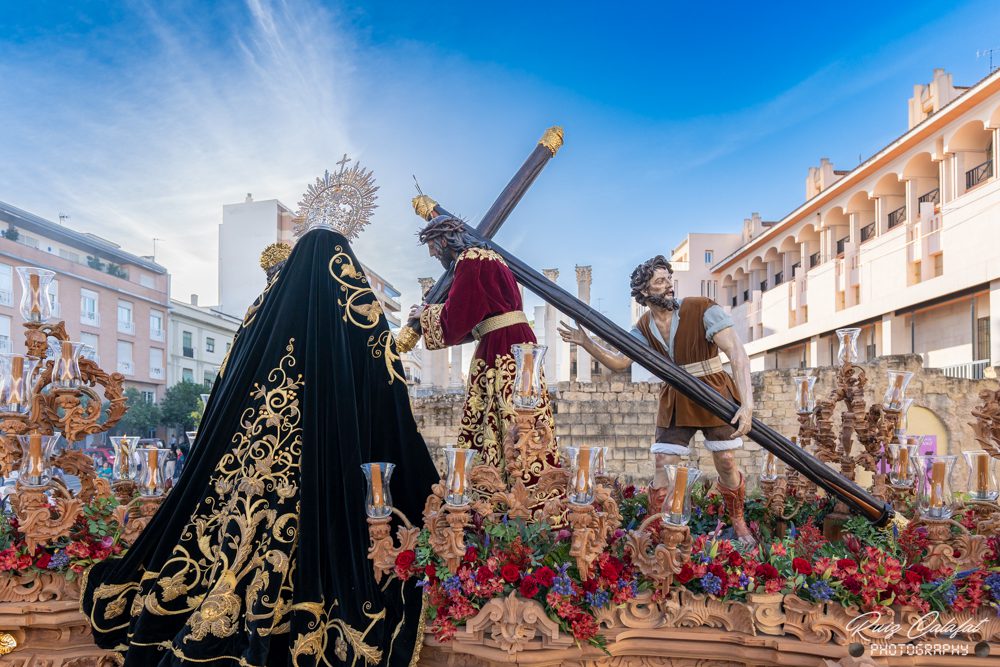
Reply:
x=598 y=599
x=711 y=583
x=59 y=560
x=821 y=591
x=993 y=582
x=452 y=584
x=107 y=541
x=744 y=580
x=563 y=535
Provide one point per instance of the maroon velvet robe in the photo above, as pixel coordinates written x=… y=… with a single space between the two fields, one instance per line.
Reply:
x=483 y=287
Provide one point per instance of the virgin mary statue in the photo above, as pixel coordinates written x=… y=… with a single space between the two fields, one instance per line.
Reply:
x=259 y=554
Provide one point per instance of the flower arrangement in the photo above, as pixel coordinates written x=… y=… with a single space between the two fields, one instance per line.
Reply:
x=869 y=569
x=94 y=537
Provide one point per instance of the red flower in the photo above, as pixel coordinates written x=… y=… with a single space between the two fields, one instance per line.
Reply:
x=609 y=571
x=767 y=571
x=852 y=584
x=686 y=574
x=590 y=585
x=718 y=571
x=483 y=575
x=847 y=564
x=545 y=576
x=628 y=491
x=922 y=571
x=43 y=561
x=471 y=555
x=405 y=559
x=510 y=573
x=431 y=572
x=735 y=559
x=802 y=566
x=529 y=587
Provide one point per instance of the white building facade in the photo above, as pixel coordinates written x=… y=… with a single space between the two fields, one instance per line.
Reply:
x=199 y=339
x=905 y=246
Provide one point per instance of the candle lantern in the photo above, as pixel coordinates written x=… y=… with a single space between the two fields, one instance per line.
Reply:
x=66 y=371
x=378 y=499
x=677 y=505
x=805 y=399
x=848 y=351
x=16 y=382
x=583 y=465
x=895 y=393
x=903 y=459
x=152 y=475
x=769 y=470
x=982 y=484
x=126 y=464
x=36 y=452
x=35 y=304
x=901 y=424
x=528 y=358
x=204 y=401
x=933 y=472
x=458 y=461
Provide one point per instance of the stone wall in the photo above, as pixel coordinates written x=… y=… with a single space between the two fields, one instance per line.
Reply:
x=622 y=415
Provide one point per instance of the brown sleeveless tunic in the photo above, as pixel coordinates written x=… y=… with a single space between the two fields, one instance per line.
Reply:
x=690 y=346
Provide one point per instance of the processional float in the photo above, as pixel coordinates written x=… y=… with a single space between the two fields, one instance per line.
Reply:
x=837 y=484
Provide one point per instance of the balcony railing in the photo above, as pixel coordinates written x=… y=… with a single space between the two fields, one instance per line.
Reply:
x=841 y=244
x=868 y=231
x=795 y=268
x=734 y=302
x=188 y=352
x=746 y=295
x=6 y=298
x=156 y=373
x=978 y=174
x=931 y=197
x=779 y=278
x=93 y=319
x=897 y=217
x=763 y=285
x=126 y=327
x=813 y=259
x=973 y=370
x=125 y=367
x=156 y=334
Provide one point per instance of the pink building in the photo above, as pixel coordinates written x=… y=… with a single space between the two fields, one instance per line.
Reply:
x=111 y=300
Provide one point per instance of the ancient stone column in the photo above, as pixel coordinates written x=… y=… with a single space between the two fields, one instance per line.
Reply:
x=552 y=339
x=435 y=362
x=583 y=278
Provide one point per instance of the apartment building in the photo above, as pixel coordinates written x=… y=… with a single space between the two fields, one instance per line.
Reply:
x=111 y=300
x=905 y=246
x=200 y=338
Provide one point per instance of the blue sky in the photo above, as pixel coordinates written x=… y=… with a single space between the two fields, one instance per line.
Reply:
x=141 y=120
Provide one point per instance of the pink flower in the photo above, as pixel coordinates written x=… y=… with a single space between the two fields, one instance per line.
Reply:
x=778 y=549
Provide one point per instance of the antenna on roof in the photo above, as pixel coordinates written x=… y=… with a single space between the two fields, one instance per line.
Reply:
x=987 y=53
x=63 y=218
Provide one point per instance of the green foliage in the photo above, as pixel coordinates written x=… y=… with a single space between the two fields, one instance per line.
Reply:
x=883 y=539
x=11 y=234
x=95 y=263
x=116 y=270
x=142 y=416
x=178 y=404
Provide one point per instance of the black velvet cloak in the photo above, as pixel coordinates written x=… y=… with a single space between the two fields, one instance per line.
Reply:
x=259 y=554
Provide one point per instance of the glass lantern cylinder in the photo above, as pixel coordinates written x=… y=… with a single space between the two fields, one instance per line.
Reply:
x=903 y=464
x=36 y=452
x=528 y=358
x=126 y=463
x=378 y=498
x=770 y=468
x=848 y=351
x=458 y=461
x=35 y=304
x=901 y=424
x=66 y=371
x=191 y=435
x=934 y=488
x=982 y=482
x=677 y=505
x=204 y=401
x=805 y=398
x=16 y=382
x=152 y=475
x=895 y=393
x=601 y=464
x=583 y=465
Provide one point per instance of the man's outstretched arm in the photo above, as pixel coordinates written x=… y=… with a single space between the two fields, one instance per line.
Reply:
x=613 y=360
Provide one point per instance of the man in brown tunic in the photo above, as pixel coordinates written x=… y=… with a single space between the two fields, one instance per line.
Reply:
x=691 y=332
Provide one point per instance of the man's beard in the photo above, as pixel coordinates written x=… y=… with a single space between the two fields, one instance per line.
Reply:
x=446 y=259
x=662 y=301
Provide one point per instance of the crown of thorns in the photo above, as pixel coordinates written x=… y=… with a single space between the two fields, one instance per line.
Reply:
x=442 y=225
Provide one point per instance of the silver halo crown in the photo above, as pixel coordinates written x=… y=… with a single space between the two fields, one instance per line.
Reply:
x=343 y=202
